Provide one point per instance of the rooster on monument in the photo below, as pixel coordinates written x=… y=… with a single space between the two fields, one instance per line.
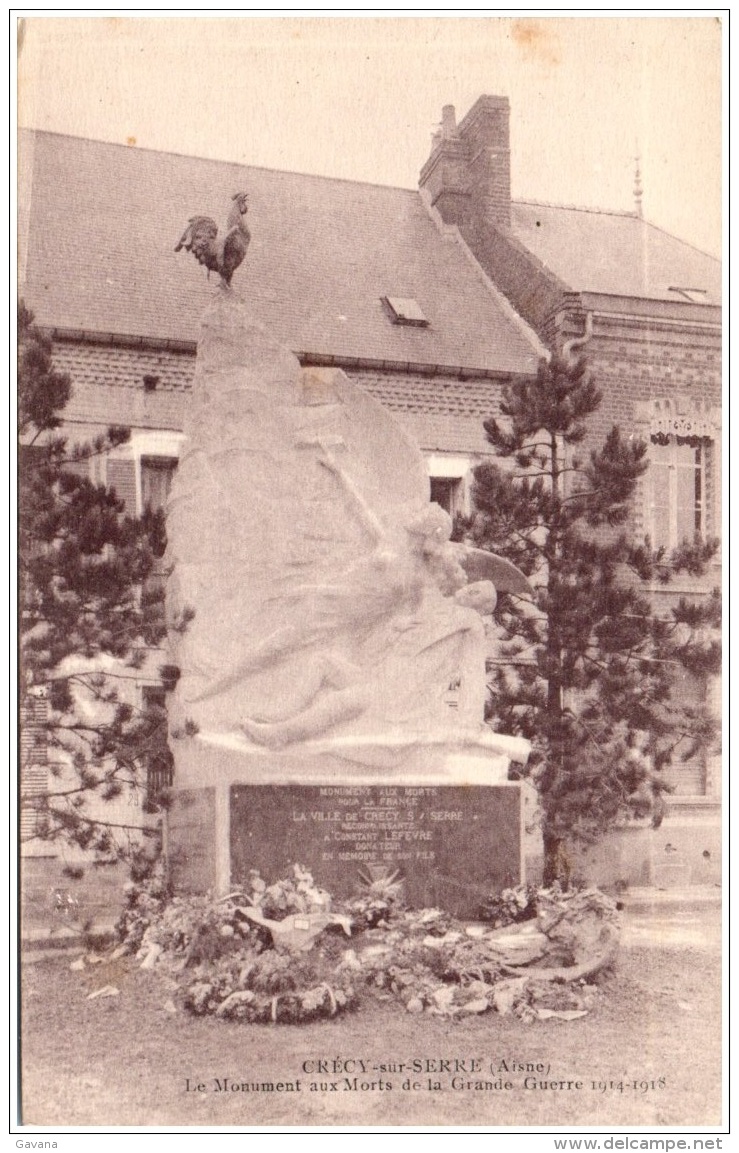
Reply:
x=219 y=255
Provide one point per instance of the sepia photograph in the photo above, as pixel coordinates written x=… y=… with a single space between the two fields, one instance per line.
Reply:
x=369 y=572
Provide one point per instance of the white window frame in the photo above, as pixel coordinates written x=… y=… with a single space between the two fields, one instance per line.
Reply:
x=668 y=456
x=681 y=416
x=162 y=443
x=454 y=468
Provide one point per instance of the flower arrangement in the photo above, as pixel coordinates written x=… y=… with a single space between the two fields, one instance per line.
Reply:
x=281 y=952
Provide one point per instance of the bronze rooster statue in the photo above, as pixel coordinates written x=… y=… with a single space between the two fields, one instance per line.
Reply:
x=219 y=255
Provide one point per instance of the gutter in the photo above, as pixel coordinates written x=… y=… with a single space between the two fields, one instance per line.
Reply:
x=326 y=360
x=117 y=339
x=459 y=372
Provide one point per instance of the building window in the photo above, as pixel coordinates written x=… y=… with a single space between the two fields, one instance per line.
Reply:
x=448 y=482
x=404 y=310
x=447 y=491
x=677 y=489
x=694 y=295
x=156 y=481
x=141 y=472
x=688 y=778
x=155 y=475
x=159 y=760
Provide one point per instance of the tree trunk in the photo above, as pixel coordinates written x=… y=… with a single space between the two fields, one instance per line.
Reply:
x=557 y=862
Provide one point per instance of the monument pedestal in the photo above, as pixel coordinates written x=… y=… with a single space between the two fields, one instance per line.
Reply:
x=444 y=818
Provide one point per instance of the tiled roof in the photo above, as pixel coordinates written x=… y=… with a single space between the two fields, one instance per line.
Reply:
x=442 y=414
x=97 y=254
x=102 y=366
x=614 y=253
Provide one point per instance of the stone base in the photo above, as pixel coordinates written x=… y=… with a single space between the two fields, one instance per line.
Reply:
x=192 y=840
x=446 y=820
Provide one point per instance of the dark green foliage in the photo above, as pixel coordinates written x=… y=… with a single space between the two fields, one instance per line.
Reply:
x=84 y=624
x=587 y=671
x=42 y=392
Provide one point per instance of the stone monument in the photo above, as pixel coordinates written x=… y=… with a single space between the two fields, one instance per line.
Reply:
x=330 y=706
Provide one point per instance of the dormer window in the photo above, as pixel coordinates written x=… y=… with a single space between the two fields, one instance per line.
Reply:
x=404 y=310
x=694 y=295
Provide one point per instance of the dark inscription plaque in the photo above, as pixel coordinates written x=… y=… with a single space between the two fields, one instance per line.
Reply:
x=453 y=845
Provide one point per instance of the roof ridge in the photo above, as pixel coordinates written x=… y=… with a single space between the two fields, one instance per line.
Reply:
x=577 y=207
x=617 y=212
x=687 y=243
x=214 y=160
x=526 y=331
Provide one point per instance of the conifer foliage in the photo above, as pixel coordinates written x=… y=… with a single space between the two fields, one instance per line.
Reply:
x=588 y=669
x=85 y=624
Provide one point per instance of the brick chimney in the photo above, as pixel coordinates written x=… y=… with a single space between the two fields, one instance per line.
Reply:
x=468 y=174
x=445 y=174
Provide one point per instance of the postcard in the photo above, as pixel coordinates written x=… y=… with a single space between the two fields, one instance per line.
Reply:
x=369 y=575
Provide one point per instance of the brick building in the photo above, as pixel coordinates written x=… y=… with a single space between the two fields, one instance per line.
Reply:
x=430 y=299
x=654 y=303
x=654 y=309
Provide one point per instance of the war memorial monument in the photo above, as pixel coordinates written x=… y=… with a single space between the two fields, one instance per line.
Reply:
x=331 y=639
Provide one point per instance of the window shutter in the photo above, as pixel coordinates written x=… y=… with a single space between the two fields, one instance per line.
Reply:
x=660 y=518
x=688 y=777
x=34 y=775
x=122 y=477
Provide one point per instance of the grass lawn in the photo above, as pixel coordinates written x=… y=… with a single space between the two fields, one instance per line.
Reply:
x=128 y=1059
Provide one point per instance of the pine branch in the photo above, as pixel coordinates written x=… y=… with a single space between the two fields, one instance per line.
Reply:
x=82 y=562
x=592 y=637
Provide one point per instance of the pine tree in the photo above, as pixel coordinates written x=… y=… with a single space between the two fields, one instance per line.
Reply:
x=86 y=622
x=587 y=670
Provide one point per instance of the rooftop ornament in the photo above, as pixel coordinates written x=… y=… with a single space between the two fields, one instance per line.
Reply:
x=225 y=255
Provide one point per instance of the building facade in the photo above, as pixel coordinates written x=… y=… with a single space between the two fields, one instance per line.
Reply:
x=650 y=305
x=430 y=299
